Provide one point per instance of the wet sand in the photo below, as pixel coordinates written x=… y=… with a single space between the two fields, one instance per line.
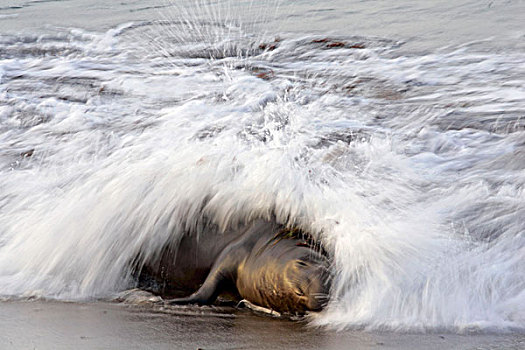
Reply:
x=60 y=325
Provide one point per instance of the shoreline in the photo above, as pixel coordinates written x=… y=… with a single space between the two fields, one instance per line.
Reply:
x=110 y=325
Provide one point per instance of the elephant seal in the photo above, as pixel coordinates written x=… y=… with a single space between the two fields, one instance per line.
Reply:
x=282 y=271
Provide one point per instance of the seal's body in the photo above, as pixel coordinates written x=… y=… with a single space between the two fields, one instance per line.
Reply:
x=269 y=267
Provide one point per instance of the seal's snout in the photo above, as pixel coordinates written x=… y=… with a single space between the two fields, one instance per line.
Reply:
x=318 y=294
x=312 y=284
x=317 y=301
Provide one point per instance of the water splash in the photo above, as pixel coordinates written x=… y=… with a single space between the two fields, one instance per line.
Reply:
x=209 y=29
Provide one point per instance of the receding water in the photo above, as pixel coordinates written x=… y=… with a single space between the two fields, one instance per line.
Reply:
x=395 y=131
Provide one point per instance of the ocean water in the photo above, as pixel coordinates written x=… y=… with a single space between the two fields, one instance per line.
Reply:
x=395 y=132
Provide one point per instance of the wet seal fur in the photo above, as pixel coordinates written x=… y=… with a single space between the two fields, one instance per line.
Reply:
x=284 y=271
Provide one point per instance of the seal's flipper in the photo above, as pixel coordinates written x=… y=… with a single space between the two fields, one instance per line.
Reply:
x=220 y=274
x=192 y=299
x=206 y=294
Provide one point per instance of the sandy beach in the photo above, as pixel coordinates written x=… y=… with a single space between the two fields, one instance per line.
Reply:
x=101 y=325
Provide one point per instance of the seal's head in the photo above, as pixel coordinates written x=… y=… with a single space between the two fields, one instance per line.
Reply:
x=308 y=281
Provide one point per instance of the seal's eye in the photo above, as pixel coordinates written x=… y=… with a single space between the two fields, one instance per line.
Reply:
x=299 y=292
x=301 y=263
